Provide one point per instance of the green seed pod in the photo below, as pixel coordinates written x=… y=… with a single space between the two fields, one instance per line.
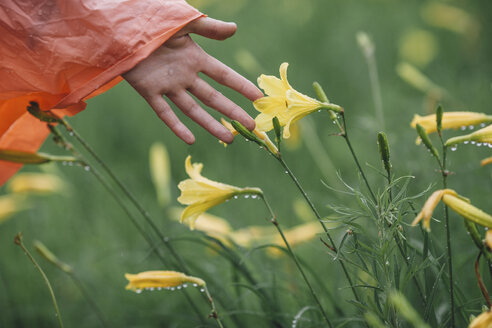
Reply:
x=277 y=129
x=384 y=151
x=439 y=113
x=44 y=116
x=50 y=257
x=245 y=132
x=426 y=141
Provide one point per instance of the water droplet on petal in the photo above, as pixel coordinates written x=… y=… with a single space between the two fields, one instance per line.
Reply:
x=466 y=142
x=246 y=196
x=138 y=291
x=471 y=127
x=254 y=196
x=453 y=148
x=235 y=197
x=202 y=290
x=195 y=285
x=479 y=144
x=463 y=128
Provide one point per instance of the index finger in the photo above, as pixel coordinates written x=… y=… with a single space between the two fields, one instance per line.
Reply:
x=230 y=78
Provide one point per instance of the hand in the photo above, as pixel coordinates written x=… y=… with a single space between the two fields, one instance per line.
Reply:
x=172 y=70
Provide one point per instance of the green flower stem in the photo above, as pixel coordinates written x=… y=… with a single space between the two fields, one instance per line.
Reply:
x=457 y=140
x=18 y=241
x=213 y=314
x=128 y=194
x=89 y=299
x=444 y=174
x=347 y=140
x=318 y=216
x=296 y=261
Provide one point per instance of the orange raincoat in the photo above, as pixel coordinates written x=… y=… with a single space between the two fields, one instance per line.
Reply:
x=62 y=52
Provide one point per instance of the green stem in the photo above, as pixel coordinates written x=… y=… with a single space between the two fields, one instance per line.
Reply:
x=18 y=241
x=318 y=216
x=130 y=196
x=294 y=258
x=89 y=299
x=444 y=174
x=213 y=314
x=347 y=140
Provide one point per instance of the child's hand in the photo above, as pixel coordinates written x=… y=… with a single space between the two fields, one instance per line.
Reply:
x=172 y=70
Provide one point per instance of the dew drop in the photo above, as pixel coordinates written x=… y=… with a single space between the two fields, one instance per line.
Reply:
x=70 y=163
x=64 y=163
x=246 y=196
x=453 y=148
x=70 y=133
x=159 y=288
x=387 y=263
x=235 y=197
x=471 y=127
x=466 y=142
x=463 y=128
x=472 y=142
x=87 y=168
x=138 y=291
x=195 y=285
x=185 y=285
x=254 y=196
x=479 y=144
x=151 y=289
x=179 y=287
x=408 y=258
x=202 y=290
x=286 y=172
x=482 y=125
x=172 y=289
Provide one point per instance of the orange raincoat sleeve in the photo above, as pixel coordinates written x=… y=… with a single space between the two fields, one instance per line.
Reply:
x=62 y=52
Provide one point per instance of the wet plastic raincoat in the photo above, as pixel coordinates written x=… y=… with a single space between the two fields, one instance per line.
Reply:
x=62 y=52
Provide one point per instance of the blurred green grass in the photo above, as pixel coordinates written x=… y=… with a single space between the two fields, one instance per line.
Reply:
x=86 y=228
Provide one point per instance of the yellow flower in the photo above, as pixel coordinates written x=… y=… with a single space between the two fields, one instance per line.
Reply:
x=38 y=183
x=253 y=235
x=450 y=120
x=484 y=320
x=160 y=172
x=260 y=134
x=159 y=279
x=200 y=193
x=457 y=203
x=295 y=236
x=430 y=205
x=488 y=238
x=483 y=136
x=467 y=210
x=282 y=101
x=9 y=204
x=486 y=161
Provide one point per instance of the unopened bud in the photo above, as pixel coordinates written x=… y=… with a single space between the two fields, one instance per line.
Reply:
x=384 y=151
x=426 y=141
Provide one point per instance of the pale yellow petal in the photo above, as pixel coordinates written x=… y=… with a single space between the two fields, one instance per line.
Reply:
x=272 y=85
x=38 y=183
x=197 y=191
x=283 y=75
x=264 y=122
x=271 y=105
x=193 y=211
x=467 y=210
x=430 y=205
x=488 y=238
x=193 y=170
x=484 y=320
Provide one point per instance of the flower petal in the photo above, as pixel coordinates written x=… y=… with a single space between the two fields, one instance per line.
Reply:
x=272 y=85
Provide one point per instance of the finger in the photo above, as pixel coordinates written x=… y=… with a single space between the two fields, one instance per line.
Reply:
x=211 y=28
x=230 y=78
x=166 y=114
x=189 y=106
x=214 y=99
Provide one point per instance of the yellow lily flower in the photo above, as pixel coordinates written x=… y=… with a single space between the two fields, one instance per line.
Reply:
x=9 y=204
x=482 y=136
x=450 y=120
x=160 y=279
x=295 y=236
x=201 y=194
x=430 y=205
x=455 y=202
x=160 y=172
x=486 y=161
x=484 y=320
x=37 y=183
x=282 y=101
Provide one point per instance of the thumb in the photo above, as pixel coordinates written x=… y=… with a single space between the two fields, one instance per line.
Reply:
x=211 y=28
